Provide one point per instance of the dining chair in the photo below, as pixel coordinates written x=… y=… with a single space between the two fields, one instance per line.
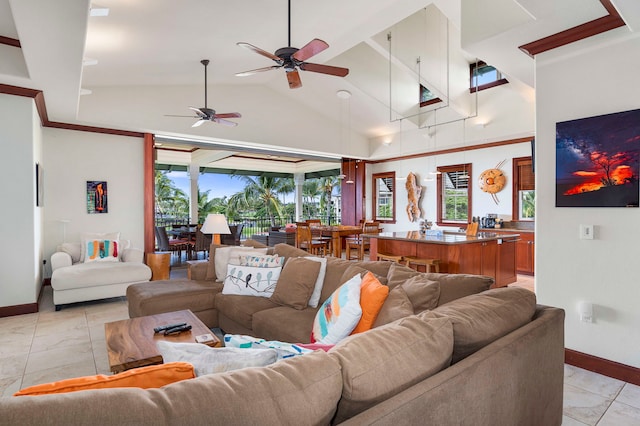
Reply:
x=360 y=244
x=202 y=243
x=305 y=241
x=316 y=232
x=173 y=245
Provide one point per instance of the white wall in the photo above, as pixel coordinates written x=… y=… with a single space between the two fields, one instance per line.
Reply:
x=593 y=77
x=480 y=159
x=71 y=159
x=20 y=219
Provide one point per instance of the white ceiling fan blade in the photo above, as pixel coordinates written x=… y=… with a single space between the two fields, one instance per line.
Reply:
x=199 y=112
x=198 y=123
x=225 y=122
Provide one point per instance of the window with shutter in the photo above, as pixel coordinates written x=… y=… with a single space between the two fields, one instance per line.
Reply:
x=524 y=189
x=454 y=194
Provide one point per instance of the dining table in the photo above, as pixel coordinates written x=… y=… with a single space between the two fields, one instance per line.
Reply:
x=337 y=232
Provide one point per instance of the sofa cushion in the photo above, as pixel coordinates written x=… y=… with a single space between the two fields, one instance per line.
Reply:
x=301 y=389
x=339 y=314
x=396 y=306
x=288 y=251
x=422 y=292
x=153 y=376
x=452 y=286
x=242 y=308
x=99 y=273
x=284 y=323
x=482 y=318
x=296 y=283
x=382 y=362
x=155 y=297
x=251 y=280
x=372 y=297
x=336 y=269
x=208 y=360
x=73 y=250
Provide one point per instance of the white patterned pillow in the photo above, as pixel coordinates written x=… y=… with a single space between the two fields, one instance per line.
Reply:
x=231 y=254
x=339 y=314
x=260 y=261
x=101 y=251
x=251 y=280
x=95 y=236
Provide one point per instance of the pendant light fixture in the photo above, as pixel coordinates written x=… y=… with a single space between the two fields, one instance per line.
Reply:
x=435 y=143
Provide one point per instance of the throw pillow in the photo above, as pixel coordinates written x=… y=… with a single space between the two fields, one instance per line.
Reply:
x=211 y=264
x=372 y=297
x=296 y=283
x=231 y=254
x=339 y=314
x=261 y=261
x=95 y=236
x=314 y=300
x=73 y=250
x=250 y=280
x=284 y=350
x=207 y=360
x=422 y=292
x=153 y=376
x=396 y=306
x=101 y=251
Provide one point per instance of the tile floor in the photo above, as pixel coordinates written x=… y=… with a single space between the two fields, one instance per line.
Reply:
x=48 y=346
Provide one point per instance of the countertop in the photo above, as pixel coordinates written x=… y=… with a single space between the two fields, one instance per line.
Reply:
x=446 y=238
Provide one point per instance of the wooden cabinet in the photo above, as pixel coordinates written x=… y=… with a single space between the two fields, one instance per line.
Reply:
x=525 y=254
x=525 y=251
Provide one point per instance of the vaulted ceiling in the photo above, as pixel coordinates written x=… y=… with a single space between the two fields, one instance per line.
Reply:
x=148 y=63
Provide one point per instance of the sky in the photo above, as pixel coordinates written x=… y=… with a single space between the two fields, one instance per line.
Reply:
x=219 y=185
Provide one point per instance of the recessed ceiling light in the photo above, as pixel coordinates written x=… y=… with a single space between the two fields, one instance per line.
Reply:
x=85 y=92
x=343 y=94
x=89 y=61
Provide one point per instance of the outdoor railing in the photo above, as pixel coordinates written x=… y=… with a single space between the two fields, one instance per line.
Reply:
x=251 y=225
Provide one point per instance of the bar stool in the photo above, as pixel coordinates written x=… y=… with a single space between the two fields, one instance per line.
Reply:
x=427 y=263
x=390 y=257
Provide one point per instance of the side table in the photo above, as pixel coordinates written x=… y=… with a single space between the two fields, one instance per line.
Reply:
x=159 y=262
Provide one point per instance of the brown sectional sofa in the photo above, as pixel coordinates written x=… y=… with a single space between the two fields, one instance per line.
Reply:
x=474 y=356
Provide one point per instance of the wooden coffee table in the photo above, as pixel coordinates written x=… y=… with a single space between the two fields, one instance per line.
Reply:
x=132 y=343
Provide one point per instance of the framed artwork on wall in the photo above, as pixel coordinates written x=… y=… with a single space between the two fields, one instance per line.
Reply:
x=597 y=161
x=97 y=201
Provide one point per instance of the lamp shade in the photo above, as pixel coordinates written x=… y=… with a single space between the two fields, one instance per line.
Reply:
x=215 y=223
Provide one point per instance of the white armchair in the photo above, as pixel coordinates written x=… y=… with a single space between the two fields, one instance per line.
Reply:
x=73 y=280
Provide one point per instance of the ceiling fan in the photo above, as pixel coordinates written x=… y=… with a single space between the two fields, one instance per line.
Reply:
x=292 y=58
x=207 y=114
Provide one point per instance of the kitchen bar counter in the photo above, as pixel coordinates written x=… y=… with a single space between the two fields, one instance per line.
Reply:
x=488 y=253
x=446 y=238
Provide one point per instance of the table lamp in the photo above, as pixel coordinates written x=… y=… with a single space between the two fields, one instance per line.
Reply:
x=215 y=224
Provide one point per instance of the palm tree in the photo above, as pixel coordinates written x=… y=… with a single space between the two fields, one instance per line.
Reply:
x=311 y=191
x=328 y=184
x=170 y=200
x=260 y=195
x=206 y=206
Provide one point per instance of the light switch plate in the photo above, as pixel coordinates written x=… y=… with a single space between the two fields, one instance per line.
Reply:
x=586 y=232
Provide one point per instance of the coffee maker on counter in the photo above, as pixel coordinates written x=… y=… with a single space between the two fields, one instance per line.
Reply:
x=489 y=221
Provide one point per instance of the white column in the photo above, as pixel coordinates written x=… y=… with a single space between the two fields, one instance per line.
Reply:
x=194 y=173
x=298 y=179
